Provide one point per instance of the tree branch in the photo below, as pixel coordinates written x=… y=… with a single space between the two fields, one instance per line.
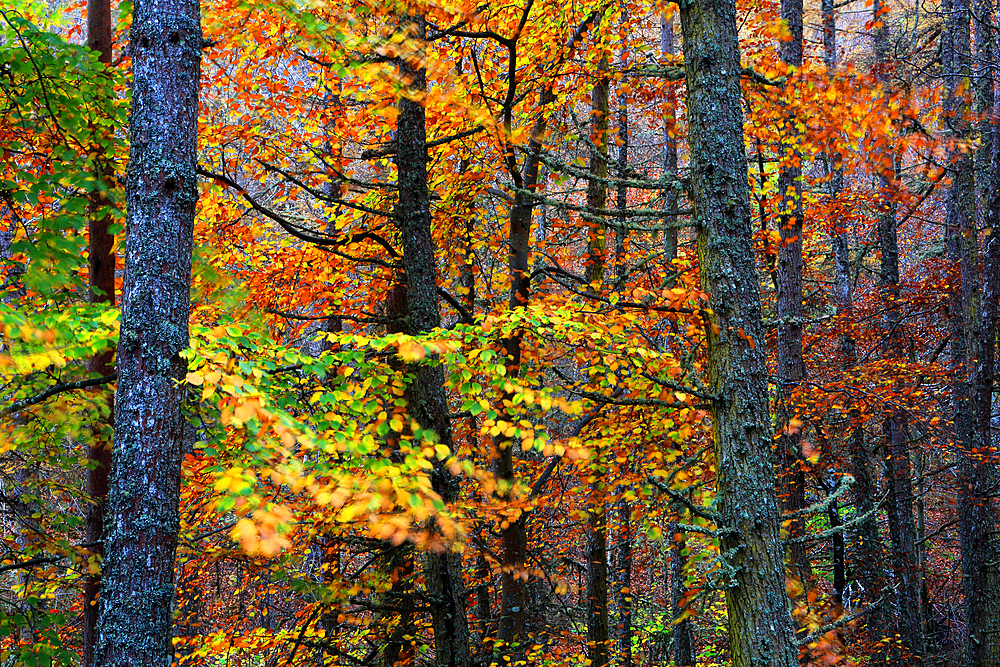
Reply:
x=57 y=389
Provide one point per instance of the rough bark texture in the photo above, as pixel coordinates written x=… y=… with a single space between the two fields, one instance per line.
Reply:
x=984 y=25
x=760 y=627
x=668 y=48
x=597 y=190
x=623 y=571
x=102 y=290
x=141 y=529
x=682 y=648
x=980 y=550
x=622 y=167
x=791 y=365
x=597 y=577
x=975 y=465
x=429 y=402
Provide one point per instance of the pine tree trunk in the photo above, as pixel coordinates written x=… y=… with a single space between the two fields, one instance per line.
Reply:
x=760 y=626
x=141 y=537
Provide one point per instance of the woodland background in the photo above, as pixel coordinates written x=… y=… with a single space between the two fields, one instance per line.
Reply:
x=453 y=390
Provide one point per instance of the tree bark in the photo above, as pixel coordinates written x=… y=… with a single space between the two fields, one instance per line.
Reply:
x=683 y=642
x=102 y=290
x=623 y=571
x=668 y=48
x=597 y=189
x=622 y=167
x=760 y=627
x=791 y=365
x=141 y=531
x=978 y=512
x=429 y=401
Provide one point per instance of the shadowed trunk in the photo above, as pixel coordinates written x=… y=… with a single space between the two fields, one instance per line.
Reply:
x=791 y=365
x=102 y=290
x=429 y=402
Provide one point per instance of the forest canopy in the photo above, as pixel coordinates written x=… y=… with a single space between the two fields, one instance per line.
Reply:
x=521 y=333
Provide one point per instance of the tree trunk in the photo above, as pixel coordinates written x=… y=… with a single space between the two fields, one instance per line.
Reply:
x=978 y=505
x=760 y=627
x=623 y=594
x=429 y=402
x=102 y=290
x=141 y=537
x=668 y=48
x=683 y=643
x=597 y=190
x=791 y=365
x=597 y=575
x=622 y=166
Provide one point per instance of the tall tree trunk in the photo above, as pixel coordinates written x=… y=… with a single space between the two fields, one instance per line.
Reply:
x=597 y=188
x=429 y=402
x=977 y=467
x=984 y=23
x=622 y=166
x=597 y=535
x=760 y=627
x=623 y=569
x=141 y=537
x=682 y=648
x=668 y=48
x=902 y=528
x=514 y=538
x=597 y=573
x=978 y=513
x=791 y=365
x=102 y=290
x=623 y=594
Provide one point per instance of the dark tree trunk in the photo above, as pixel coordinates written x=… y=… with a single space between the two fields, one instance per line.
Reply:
x=682 y=649
x=514 y=538
x=622 y=167
x=791 y=365
x=671 y=196
x=141 y=530
x=978 y=507
x=102 y=290
x=597 y=577
x=623 y=572
x=597 y=190
x=429 y=402
x=760 y=627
